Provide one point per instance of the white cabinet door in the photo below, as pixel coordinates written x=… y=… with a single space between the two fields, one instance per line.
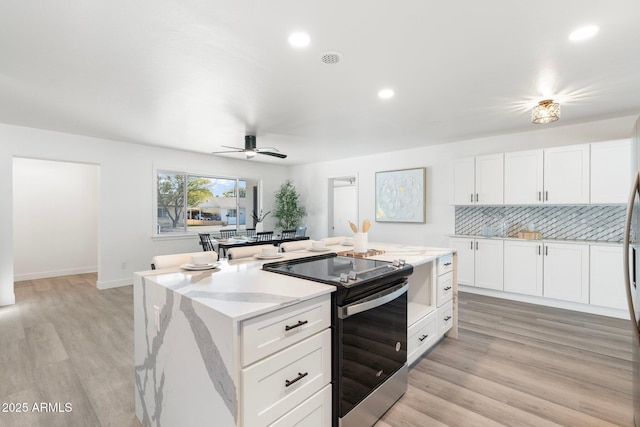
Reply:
x=611 y=171
x=489 y=261
x=490 y=179
x=566 y=272
x=566 y=174
x=523 y=267
x=464 y=181
x=466 y=252
x=606 y=277
x=523 y=177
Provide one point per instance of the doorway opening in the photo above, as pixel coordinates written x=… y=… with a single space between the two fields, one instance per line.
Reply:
x=55 y=218
x=343 y=204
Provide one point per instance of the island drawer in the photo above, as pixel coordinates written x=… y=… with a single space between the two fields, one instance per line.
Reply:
x=421 y=335
x=445 y=288
x=315 y=411
x=264 y=335
x=445 y=317
x=445 y=264
x=281 y=382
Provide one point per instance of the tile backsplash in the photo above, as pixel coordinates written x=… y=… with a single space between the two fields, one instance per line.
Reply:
x=588 y=222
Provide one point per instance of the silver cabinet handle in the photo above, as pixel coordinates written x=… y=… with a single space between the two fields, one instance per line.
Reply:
x=476 y=197
x=546 y=250
x=471 y=197
x=472 y=245
x=546 y=196
x=539 y=250
x=539 y=196
x=476 y=245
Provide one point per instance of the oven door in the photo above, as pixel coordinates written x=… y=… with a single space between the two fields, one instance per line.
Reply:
x=372 y=346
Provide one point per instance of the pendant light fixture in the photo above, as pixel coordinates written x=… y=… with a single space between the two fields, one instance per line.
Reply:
x=546 y=111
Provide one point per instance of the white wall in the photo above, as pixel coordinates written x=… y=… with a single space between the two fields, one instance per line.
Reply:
x=312 y=179
x=126 y=194
x=55 y=218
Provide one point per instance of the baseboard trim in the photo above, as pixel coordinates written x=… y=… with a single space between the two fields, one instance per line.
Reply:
x=567 y=305
x=113 y=283
x=55 y=273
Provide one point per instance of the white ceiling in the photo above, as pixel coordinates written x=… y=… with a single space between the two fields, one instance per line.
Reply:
x=196 y=75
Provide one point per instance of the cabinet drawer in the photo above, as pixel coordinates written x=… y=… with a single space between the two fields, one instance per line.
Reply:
x=445 y=264
x=315 y=411
x=281 y=382
x=445 y=317
x=271 y=332
x=445 y=288
x=421 y=335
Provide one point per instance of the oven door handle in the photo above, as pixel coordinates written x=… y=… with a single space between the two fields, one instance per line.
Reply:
x=373 y=301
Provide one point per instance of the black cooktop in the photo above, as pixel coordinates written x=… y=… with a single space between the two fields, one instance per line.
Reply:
x=342 y=271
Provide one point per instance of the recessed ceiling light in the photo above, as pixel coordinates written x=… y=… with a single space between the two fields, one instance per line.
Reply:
x=386 y=94
x=299 y=39
x=583 y=33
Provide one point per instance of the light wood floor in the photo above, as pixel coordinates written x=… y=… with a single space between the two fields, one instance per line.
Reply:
x=514 y=364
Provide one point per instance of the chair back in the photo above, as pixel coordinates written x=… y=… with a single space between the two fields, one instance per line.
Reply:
x=301 y=230
x=289 y=234
x=225 y=234
x=251 y=232
x=175 y=260
x=264 y=236
x=205 y=241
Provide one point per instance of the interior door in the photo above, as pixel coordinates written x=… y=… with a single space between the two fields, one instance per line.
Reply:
x=345 y=207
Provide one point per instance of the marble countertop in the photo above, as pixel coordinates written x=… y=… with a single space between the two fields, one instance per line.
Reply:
x=240 y=289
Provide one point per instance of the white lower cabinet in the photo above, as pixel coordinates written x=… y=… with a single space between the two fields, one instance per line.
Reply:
x=421 y=336
x=286 y=375
x=445 y=318
x=480 y=262
x=607 y=286
x=523 y=267
x=566 y=272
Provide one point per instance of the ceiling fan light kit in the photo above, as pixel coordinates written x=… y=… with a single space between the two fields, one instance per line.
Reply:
x=250 y=150
x=546 y=111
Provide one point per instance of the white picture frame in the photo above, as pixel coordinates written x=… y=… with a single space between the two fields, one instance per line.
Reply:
x=400 y=196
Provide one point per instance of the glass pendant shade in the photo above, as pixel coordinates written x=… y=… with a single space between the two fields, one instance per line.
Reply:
x=546 y=111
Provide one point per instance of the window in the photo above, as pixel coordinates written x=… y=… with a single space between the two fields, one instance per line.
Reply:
x=190 y=202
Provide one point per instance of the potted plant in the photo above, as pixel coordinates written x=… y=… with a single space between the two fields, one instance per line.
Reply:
x=258 y=220
x=288 y=206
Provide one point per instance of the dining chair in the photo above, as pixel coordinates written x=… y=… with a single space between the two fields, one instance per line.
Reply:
x=301 y=230
x=225 y=234
x=265 y=236
x=205 y=241
x=288 y=234
x=251 y=232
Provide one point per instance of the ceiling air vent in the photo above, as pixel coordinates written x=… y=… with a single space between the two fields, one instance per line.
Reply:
x=331 y=58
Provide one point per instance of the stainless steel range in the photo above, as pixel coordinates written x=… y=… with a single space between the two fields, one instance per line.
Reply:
x=369 y=324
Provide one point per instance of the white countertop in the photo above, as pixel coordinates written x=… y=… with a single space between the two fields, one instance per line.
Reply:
x=240 y=289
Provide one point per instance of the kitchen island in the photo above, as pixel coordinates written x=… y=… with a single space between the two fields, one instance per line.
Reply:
x=246 y=347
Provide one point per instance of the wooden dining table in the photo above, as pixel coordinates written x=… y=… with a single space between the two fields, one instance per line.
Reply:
x=225 y=244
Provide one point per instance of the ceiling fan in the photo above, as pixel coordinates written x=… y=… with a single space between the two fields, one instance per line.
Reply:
x=250 y=149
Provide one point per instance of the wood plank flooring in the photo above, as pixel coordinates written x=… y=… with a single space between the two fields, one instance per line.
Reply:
x=514 y=364
x=517 y=364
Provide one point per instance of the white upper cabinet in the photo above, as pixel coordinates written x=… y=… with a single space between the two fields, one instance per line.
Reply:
x=464 y=189
x=479 y=180
x=523 y=177
x=611 y=171
x=566 y=174
x=490 y=179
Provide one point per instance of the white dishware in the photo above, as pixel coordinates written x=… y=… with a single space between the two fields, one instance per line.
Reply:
x=273 y=256
x=270 y=250
x=318 y=246
x=201 y=259
x=193 y=267
x=360 y=242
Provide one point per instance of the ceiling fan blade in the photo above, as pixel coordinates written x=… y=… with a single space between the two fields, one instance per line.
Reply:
x=269 y=153
x=272 y=149
x=233 y=148
x=222 y=152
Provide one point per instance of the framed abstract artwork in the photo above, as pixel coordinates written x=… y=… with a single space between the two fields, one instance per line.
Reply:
x=400 y=195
